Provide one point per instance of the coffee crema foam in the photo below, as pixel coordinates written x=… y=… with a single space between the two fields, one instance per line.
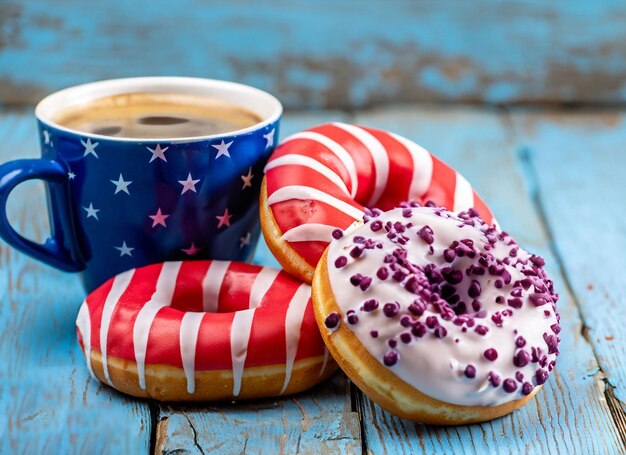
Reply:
x=156 y=115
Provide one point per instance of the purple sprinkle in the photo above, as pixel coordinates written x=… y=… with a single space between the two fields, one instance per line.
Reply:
x=355 y=279
x=515 y=303
x=491 y=354
x=419 y=330
x=519 y=376
x=332 y=321
x=494 y=379
x=541 y=376
x=509 y=385
x=399 y=275
x=405 y=321
x=537 y=260
x=452 y=276
x=341 y=261
x=498 y=284
x=374 y=333
x=520 y=342
x=449 y=255
x=417 y=307
x=392 y=343
x=337 y=233
x=440 y=332
x=391 y=309
x=470 y=371
x=356 y=252
x=538 y=299
x=407 y=213
x=370 y=305
x=432 y=322
x=426 y=234
x=376 y=226
x=527 y=388
x=406 y=337
x=352 y=319
x=481 y=330
x=556 y=328
x=382 y=273
x=552 y=341
x=365 y=283
x=474 y=289
x=521 y=359
x=391 y=358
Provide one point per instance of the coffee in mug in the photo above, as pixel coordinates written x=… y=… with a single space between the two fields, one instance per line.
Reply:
x=156 y=115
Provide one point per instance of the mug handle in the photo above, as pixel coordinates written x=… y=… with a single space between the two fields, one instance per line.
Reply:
x=53 y=251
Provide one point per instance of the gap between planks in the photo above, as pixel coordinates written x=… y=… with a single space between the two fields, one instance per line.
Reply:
x=525 y=156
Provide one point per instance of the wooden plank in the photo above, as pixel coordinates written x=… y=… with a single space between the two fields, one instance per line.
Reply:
x=576 y=164
x=318 y=421
x=485 y=51
x=49 y=404
x=570 y=415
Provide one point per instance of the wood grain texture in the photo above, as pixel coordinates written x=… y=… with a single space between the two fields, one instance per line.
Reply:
x=570 y=415
x=576 y=165
x=49 y=404
x=318 y=421
x=496 y=52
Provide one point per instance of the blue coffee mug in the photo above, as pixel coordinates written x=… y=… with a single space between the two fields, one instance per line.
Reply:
x=118 y=203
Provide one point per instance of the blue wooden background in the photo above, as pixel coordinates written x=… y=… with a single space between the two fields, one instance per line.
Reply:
x=486 y=85
x=326 y=53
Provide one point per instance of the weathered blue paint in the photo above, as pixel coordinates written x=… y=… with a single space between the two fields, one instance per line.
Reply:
x=570 y=415
x=327 y=53
x=584 y=205
x=48 y=402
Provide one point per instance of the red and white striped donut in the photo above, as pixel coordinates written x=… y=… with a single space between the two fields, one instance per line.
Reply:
x=323 y=178
x=203 y=330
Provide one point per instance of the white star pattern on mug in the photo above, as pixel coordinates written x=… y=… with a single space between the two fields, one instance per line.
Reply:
x=222 y=149
x=121 y=185
x=90 y=147
x=247 y=179
x=189 y=184
x=269 y=138
x=159 y=218
x=91 y=212
x=125 y=250
x=224 y=220
x=157 y=152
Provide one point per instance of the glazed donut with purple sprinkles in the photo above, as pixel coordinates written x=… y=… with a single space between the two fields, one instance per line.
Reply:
x=448 y=305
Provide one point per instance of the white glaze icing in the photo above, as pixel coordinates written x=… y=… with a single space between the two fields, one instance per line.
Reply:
x=308 y=162
x=83 y=324
x=239 y=338
x=293 y=325
x=120 y=283
x=434 y=365
x=379 y=155
x=463 y=194
x=162 y=297
x=211 y=285
x=304 y=193
x=422 y=167
x=189 y=329
x=310 y=232
x=336 y=149
x=263 y=281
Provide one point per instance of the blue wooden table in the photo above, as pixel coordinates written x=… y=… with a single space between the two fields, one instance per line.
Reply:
x=555 y=180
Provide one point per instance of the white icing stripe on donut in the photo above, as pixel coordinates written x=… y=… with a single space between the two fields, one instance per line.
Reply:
x=120 y=283
x=463 y=194
x=310 y=232
x=305 y=161
x=337 y=149
x=239 y=338
x=293 y=324
x=162 y=297
x=287 y=193
x=189 y=329
x=422 y=167
x=83 y=323
x=211 y=285
x=263 y=281
x=324 y=363
x=379 y=157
